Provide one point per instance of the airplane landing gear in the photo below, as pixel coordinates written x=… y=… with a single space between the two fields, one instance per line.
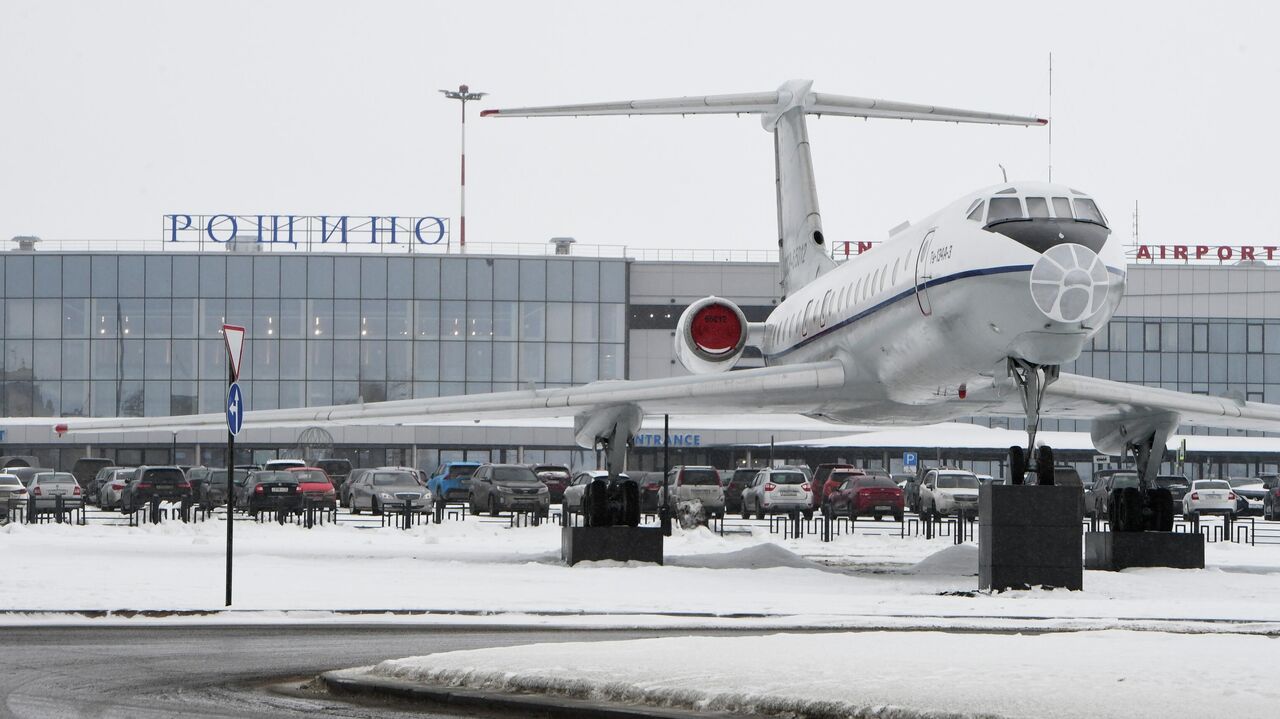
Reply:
x=1146 y=507
x=615 y=501
x=1032 y=380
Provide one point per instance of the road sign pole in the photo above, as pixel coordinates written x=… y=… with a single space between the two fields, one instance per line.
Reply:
x=233 y=336
x=231 y=493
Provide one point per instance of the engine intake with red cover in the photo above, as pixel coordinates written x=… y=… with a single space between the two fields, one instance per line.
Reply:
x=711 y=335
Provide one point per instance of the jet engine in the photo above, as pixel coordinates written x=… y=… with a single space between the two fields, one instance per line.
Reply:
x=711 y=335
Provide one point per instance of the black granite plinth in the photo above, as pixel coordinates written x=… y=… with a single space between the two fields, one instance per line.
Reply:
x=1029 y=535
x=621 y=544
x=1113 y=551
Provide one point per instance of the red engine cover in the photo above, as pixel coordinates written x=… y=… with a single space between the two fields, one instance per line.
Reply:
x=716 y=329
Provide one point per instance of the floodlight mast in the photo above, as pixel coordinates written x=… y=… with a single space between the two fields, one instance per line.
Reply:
x=462 y=94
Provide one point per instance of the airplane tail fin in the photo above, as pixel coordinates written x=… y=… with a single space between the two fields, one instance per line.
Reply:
x=802 y=249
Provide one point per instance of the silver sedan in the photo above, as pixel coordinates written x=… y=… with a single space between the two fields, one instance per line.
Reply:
x=388 y=489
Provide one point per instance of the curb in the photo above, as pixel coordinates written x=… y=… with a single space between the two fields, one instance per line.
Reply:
x=345 y=683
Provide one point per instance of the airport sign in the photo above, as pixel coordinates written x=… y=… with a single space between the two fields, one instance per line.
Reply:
x=302 y=232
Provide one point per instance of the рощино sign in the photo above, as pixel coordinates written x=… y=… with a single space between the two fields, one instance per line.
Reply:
x=304 y=231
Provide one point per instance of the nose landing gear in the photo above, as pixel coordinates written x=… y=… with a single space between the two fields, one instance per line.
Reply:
x=1032 y=379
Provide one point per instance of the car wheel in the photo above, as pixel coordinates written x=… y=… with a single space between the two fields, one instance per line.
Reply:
x=374 y=507
x=471 y=505
x=759 y=511
x=745 y=513
x=493 y=507
x=808 y=514
x=897 y=517
x=354 y=508
x=879 y=516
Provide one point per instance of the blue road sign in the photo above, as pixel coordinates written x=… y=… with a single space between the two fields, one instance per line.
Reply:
x=908 y=459
x=235 y=408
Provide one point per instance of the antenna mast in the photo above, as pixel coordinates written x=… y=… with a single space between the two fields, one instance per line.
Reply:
x=1050 y=117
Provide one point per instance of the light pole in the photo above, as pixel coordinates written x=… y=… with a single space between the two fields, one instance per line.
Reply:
x=463 y=93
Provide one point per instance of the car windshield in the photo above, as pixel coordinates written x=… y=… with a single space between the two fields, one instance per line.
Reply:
x=957 y=481
x=700 y=477
x=513 y=474
x=875 y=482
x=394 y=479
x=9 y=480
x=1213 y=484
x=786 y=478
x=309 y=475
x=841 y=475
x=462 y=471
x=744 y=475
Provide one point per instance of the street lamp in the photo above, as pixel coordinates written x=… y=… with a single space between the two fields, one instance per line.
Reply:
x=463 y=93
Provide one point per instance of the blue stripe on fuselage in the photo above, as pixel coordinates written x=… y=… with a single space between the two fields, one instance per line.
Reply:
x=909 y=292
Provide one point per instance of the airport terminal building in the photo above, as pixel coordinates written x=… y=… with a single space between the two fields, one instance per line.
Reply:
x=130 y=333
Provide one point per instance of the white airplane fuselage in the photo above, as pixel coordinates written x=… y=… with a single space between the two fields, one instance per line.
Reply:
x=945 y=303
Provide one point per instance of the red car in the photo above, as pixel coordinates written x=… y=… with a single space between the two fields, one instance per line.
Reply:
x=555 y=476
x=874 y=495
x=819 y=482
x=837 y=478
x=314 y=484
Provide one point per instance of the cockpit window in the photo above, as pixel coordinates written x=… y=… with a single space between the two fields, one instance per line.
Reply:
x=975 y=212
x=1004 y=208
x=1037 y=207
x=1062 y=207
x=1087 y=210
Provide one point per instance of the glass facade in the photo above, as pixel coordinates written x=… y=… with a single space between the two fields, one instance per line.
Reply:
x=139 y=334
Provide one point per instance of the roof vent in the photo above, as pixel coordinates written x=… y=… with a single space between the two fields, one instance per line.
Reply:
x=26 y=243
x=563 y=245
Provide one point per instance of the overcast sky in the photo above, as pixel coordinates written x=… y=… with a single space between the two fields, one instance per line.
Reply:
x=118 y=113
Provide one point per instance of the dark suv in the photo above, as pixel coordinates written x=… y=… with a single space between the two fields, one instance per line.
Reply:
x=735 y=482
x=168 y=484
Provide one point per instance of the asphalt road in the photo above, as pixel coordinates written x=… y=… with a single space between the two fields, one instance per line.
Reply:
x=145 y=673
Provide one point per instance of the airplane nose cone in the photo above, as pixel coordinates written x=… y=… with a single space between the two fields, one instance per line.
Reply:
x=1069 y=283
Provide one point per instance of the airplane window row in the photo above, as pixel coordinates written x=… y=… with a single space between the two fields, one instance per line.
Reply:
x=842 y=302
x=1000 y=209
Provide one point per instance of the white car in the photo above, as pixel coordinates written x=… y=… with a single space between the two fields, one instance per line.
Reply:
x=948 y=491
x=688 y=483
x=1209 y=496
x=778 y=491
x=1252 y=491
x=112 y=486
x=12 y=491
x=572 y=501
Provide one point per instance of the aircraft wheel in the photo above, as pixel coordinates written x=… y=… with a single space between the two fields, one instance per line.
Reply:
x=1017 y=464
x=1044 y=465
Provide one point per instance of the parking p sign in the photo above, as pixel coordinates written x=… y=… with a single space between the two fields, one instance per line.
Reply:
x=909 y=461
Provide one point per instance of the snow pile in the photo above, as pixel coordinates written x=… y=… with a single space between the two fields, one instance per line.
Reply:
x=885 y=674
x=760 y=556
x=957 y=560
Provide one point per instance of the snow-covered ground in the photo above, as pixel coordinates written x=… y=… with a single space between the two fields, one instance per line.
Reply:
x=478 y=568
x=888 y=674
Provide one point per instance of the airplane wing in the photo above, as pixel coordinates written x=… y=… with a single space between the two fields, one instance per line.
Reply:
x=785 y=389
x=1120 y=408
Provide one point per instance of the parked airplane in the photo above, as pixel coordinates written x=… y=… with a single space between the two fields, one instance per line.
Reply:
x=968 y=312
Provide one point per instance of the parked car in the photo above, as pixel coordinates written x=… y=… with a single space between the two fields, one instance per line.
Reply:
x=85 y=469
x=91 y=489
x=555 y=476
x=315 y=486
x=650 y=486
x=862 y=495
x=734 y=482
x=167 y=483
x=344 y=491
x=836 y=479
x=282 y=465
x=819 y=484
x=26 y=474
x=688 y=483
x=11 y=489
x=197 y=476
x=48 y=488
x=1209 y=496
x=1271 y=501
x=778 y=490
x=452 y=482
x=337 y=469
x=1250 y=492
x=213 y=491
x=271 y=491
x=1178 y=487
x=387 y=489
x=112 y=487
x=508 y=487
x=948 y=491
x=575 y=496
x=1097 y=500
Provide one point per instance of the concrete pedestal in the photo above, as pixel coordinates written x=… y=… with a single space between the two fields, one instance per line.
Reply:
x=621 y=544
x=1029 y=535
x=1113 y=551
